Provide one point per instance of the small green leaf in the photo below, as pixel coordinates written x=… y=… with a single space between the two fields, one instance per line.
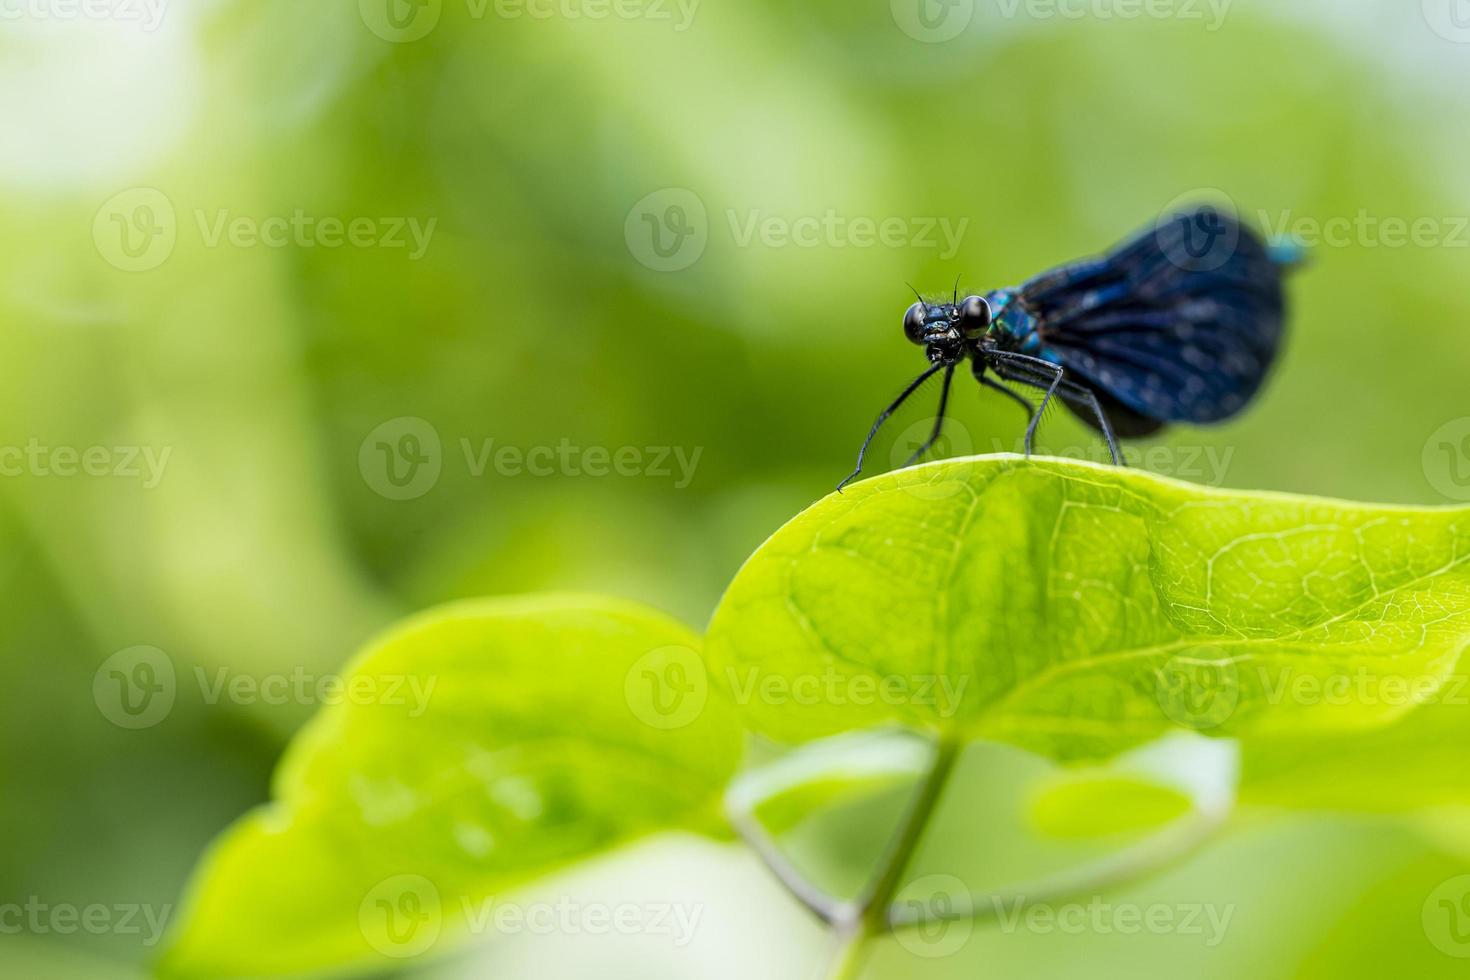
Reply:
x=1098 y=806
x=543 y=731
x=1077 y=609
x=827 y=775
x=1421 y=760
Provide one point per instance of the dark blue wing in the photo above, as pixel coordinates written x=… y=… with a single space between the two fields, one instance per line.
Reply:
x=1180 y=324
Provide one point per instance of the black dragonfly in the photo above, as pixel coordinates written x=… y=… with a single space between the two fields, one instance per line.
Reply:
x=1179 y=324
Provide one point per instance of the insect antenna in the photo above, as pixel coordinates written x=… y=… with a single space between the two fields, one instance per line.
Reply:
x=917 y=296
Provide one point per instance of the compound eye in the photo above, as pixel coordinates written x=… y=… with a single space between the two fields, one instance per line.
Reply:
x=975 y=316
x=913 y=323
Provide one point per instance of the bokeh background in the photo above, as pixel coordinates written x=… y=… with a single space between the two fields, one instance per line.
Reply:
x=654 y=232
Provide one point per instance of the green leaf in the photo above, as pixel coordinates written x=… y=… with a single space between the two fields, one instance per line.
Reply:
x=1410 y=923
x=544 y=731
x=1098 y=806
x=1421 y=760
x=1077 y=609
x=826 y=776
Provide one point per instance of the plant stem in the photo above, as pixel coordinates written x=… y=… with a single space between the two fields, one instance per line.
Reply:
x=869 y=916
x=852 y=956
x=822 y=905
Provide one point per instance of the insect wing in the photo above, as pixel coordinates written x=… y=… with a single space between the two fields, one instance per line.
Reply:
x=1179 y=324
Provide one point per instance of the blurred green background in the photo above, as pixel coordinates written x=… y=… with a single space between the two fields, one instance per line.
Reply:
x=639 y=232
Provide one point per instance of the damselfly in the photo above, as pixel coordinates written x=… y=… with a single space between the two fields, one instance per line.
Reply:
x=1179 y=324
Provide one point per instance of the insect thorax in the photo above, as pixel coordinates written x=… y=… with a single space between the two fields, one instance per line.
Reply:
x=1013 y=327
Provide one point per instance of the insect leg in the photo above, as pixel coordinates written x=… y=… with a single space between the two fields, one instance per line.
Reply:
x=989 y=382
x=1037 y=365
x=938 y=422
x=883 y=417
x=1069 y=391
x=1088 y=397
x=1028 y=377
